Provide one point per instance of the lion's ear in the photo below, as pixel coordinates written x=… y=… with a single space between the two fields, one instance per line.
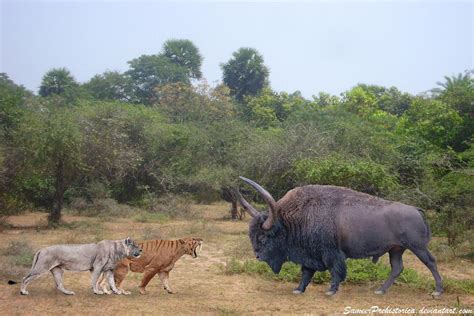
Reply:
x=182 y=242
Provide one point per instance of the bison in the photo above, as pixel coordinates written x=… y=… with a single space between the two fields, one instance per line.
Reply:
x=319 y=226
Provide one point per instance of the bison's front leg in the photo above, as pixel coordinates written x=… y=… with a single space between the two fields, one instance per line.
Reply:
x=338 y=271
x=306 y=276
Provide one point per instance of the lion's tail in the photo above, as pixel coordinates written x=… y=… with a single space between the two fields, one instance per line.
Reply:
x=35 y=259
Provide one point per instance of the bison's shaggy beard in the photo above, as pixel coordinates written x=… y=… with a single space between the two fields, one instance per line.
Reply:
x=269 y=245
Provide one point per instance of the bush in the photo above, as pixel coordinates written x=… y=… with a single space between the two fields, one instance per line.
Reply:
x=168 y=205
x=361 y=175
x=358 y=271
x=20 y=253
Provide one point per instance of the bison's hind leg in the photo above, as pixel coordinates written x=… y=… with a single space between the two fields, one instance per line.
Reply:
x=396 y=262
x=337 y=266
x=427 y=258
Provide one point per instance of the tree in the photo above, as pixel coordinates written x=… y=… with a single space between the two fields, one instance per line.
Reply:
x=245 y=73
x=149 y=71
x=57 y=81
x=185 y=54
x=201 y=103
x=111 y=85
x=269 y=107
x=49 y=146
x=12 y=99
x=432 y=120
x=458 y=92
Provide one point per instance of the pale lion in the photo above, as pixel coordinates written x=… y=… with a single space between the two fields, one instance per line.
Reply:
x=97 y=258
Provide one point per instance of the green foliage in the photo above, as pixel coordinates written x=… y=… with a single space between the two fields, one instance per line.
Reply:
x=431 y=120
x=20 y=253
x=454 y=198
x=269 y=108
x=458 y=91
x=200 y=103
x=149 y=71
x=361 y=175
x=12 y=100
x=97 y=144
x=110 y=86
x=185 y=54
x=245 y=73
x=59 y=82
x=49 y=150
x=358 y=271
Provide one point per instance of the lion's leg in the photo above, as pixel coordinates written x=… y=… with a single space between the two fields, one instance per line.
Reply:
x=110 y=279
x=164 y=276
x=147 y=276
x=39 y=267
x=58 y=277
x=102 y=284
x=96 y=271
x=27 y=279
x=120 y=272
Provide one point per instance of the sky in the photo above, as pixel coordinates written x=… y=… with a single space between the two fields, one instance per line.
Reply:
x=310 y=46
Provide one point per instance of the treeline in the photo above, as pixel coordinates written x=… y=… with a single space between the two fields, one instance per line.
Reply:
x=159 y=129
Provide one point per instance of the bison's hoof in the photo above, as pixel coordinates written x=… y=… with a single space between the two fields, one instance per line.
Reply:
x=379 y=292
x=436 y=294
x=330 y=293
x=296 y=291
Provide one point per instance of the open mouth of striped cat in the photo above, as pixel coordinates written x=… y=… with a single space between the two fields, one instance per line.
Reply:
x=195 y=250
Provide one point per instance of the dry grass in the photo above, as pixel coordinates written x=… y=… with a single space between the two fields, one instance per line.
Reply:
x=202 y=287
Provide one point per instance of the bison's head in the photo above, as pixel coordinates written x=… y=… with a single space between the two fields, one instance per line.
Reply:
x=267 y=234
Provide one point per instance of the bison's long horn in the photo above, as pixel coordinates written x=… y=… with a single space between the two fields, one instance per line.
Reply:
x=246 y=205
x=272 y=216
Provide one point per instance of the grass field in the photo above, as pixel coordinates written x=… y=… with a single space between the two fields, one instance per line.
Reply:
x=205 y=285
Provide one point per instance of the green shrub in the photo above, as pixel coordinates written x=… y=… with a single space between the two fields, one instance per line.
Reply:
x=20 y=253
x=358 y=271
x=355 y=173
x=145 y=217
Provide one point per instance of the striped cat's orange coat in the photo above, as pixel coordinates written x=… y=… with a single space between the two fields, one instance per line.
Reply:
x=158 y=257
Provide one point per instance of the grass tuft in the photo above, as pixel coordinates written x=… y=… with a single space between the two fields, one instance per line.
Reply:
x=358 y=271
x=20 y=253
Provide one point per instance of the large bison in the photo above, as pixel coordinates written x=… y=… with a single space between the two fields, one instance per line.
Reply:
x=319 y=226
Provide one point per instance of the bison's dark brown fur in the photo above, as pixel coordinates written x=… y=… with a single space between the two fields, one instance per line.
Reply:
x=319 y=226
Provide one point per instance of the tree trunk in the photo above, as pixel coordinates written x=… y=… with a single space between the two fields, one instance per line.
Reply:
x=230 y=195
x=234 y=211
x=58 y=199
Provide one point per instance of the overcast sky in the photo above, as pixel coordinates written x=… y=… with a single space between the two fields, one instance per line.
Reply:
x=308 y=46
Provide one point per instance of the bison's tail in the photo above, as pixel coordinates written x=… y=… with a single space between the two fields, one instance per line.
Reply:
x=10 y=282
x=423 y=215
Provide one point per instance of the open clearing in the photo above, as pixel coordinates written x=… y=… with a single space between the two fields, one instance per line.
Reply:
x=201 y=286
